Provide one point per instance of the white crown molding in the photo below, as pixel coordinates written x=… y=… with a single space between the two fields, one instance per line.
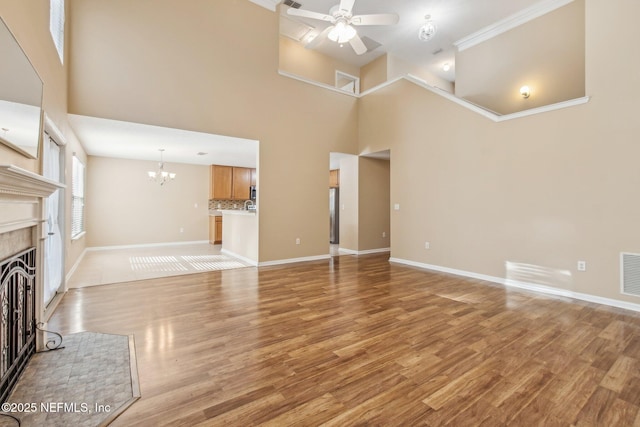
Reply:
x=510 y=22
x=548 y=290
x=267 y=4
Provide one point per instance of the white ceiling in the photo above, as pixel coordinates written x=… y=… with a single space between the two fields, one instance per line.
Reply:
x=125 y=140
x=455 y=19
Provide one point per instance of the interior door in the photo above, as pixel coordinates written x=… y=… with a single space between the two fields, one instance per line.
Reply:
x=53 y=167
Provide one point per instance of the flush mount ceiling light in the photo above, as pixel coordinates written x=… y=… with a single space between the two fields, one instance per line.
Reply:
x=428 y=29
x=446 y=66
x=525 y=92
x=342 y=32
x=161 y=176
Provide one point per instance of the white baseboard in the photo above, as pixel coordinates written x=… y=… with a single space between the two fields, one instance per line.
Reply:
x=246 y=260
x=366 y=252
x=146 y=245
x=548 y=290
x=293 y=260
x=74 y=267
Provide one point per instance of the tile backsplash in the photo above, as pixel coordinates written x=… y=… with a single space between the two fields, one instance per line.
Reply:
x=226 y=204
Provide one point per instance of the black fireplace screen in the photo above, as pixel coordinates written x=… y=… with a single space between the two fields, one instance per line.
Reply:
x=17 y=322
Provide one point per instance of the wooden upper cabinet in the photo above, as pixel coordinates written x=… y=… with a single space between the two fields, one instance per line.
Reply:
x=241 y=183
x=334 y=178
x=221 y=182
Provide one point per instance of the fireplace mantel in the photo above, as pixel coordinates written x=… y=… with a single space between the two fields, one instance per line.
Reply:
x=21 y=192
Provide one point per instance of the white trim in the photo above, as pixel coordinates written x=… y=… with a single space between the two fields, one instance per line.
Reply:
x=146 y=245
x=365 y=252
x=356 y=81
x=294 y=260
x=509 y=23
x=491 y=115
x=21 y=182
x=246 y=260
x=75 y=265
x=523 y=285
x=314 y=83
x=53 y=131
x=267 y=4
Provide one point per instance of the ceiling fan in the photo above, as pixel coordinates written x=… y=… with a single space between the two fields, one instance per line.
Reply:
x=342 y=21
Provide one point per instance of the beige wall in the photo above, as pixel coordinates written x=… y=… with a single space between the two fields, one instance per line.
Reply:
x=29 y=23
x=192 y=77
x=348 y=221
x=374 y=73
x=125 y=208
x=374 y=204
x=547 y=54
x=545 y=190
x=310 y=64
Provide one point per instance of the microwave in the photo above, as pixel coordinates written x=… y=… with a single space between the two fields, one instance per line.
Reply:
x=253 y=194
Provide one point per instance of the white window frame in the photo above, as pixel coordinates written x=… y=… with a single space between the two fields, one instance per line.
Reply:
x=56 y=26
x=78 y=179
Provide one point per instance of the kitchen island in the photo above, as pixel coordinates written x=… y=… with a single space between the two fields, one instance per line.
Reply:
x=240 y=231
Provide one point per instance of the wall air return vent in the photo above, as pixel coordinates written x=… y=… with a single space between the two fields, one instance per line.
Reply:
x=630 y=268
x=293 y=4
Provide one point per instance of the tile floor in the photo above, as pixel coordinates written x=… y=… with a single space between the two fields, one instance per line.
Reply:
x=101 y=267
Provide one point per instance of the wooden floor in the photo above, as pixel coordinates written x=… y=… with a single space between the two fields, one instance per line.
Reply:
x=360 y=341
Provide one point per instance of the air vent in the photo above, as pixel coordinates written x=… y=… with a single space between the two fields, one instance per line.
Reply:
x=293 y=4
x=437 y=51
x=630 y=274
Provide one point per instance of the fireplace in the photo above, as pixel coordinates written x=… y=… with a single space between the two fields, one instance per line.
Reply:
x=17 y=317
x=22 y=233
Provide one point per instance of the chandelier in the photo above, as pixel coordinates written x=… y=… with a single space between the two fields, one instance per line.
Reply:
x=161 y=176
x=427 y=30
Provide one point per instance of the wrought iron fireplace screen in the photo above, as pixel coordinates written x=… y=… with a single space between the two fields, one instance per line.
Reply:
x=17 y=318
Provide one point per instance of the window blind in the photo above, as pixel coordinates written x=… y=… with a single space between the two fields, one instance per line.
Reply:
x=77 y=198
x=56 y=25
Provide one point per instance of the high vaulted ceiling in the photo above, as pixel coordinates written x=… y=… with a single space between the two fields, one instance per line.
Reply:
x=455 y=20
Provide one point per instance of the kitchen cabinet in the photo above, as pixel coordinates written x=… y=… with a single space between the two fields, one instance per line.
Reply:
x=334 y=178
x=215 y=229
x=220 y=186
x=230 y=183
x=241 y=183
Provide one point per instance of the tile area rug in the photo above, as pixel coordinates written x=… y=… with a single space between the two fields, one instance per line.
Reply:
x=89 y=382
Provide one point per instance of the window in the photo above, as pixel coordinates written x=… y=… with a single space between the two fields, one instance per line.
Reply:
x=77 y=199
x=56 y=25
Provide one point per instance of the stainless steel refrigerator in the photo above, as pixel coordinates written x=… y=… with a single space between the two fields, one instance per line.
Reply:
x=334 y=220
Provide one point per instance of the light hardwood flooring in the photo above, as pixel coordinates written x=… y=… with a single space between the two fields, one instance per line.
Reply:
x=101 y=267
x=360 y=341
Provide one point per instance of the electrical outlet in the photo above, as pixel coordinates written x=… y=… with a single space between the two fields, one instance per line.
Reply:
x=182 y=229
x=427 y=245
x=396 y=207
x=384 y=234
x=297 y=240
x=582 y=266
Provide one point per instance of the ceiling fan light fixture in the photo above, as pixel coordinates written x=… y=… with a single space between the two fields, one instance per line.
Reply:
x=427 y=30
x=341 y=32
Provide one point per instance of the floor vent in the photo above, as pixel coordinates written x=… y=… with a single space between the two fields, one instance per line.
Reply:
x=631 y=274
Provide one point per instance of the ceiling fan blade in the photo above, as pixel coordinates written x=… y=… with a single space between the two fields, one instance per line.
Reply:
x=346 y=6
x=320 y=37
x=357 y=45
x=309 y=14
x=376 y=19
